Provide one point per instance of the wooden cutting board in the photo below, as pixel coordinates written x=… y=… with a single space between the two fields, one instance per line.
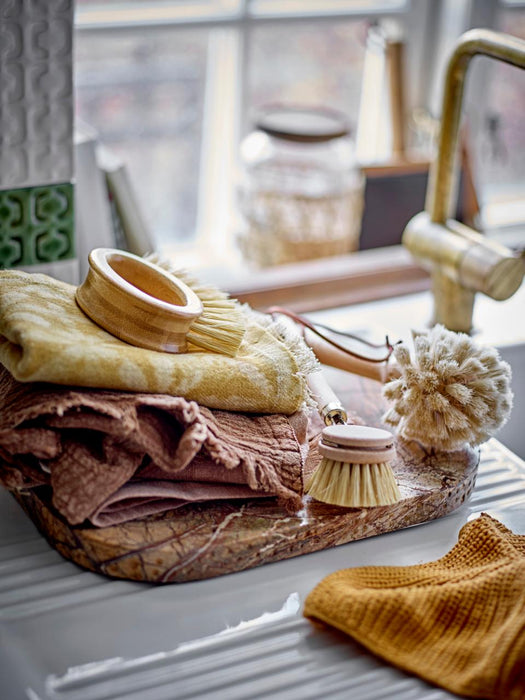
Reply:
x=206 y=540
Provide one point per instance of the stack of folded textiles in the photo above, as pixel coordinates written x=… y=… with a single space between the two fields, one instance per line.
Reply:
x=113 y=456
x=77 y=423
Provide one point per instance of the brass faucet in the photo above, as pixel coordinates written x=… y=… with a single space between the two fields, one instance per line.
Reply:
x=462 y=261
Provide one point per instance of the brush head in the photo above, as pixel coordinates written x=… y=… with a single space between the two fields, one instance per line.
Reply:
x=221 y=326
x=354 y=471
x=452 y=392
x=357 y=444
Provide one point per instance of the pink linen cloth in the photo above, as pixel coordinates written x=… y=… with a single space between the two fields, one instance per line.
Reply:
x=110 y=457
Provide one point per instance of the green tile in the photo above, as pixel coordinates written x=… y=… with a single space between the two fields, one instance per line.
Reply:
x=36 y=225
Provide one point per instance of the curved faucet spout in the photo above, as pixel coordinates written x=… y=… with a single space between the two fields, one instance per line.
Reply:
x=476 y=42
x=462 y=261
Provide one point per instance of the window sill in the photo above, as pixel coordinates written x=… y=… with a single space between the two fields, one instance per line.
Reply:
x=325 y=283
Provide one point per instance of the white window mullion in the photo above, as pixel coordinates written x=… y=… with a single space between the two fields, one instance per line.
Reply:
x=244 y=73
x=220 y=136
x=419 y=39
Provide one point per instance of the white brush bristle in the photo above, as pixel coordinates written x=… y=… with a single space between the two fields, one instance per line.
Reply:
x=353 y=485
x=452 y=391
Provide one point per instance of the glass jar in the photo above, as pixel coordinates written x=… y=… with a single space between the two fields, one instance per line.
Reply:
x=301 y=193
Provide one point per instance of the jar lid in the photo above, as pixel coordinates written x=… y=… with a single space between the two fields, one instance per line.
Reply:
x=304 y=124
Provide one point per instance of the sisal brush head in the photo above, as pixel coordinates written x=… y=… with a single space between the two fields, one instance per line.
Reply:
x=354 y=471
x=453 y=392
x=221 y=326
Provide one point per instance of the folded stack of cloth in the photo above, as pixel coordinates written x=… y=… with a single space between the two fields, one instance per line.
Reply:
x=458 y=622
x=118 y=432
x=111 y=456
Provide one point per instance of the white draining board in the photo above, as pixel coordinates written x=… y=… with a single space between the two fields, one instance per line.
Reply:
x=67 y=634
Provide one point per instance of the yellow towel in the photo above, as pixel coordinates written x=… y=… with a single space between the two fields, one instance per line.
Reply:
x=458 y=622
x=44 y=336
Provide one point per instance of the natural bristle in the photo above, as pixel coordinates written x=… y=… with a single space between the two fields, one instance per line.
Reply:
x=225 y=340
x=353 y=485
x=452 y=391
x=221 y=326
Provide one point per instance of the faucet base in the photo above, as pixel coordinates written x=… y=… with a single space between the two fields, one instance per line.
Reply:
x=453 y=304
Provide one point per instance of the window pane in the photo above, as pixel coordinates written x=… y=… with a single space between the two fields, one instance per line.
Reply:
x=143 y=91
x=315 y=63
x=306 y=7
x=96 y=12
x=504 y=146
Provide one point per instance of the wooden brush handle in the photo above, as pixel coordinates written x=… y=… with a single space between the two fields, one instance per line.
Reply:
x=330 y=407
x=332 y=356
x=335 y=355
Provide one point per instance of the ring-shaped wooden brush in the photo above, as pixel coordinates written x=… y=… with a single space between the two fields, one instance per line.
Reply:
x=137 y=301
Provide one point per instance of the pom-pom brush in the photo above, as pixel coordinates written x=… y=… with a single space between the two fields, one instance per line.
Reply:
x=452 y=392
x=448 y=393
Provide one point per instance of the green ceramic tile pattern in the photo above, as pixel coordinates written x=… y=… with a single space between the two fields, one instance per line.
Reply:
x=36 y=225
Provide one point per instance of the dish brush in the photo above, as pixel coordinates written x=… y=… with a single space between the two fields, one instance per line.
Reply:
x=452 y=392
x=147 y=303
x=355 y=467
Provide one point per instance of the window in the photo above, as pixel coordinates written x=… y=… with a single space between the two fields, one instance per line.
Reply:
x=170 y=87
x=500 y=139
x=143 y=91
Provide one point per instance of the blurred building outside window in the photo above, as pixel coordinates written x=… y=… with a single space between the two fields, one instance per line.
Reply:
x=170 y=88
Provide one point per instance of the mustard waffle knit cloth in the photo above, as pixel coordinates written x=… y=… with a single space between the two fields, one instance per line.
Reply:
x=458 y=622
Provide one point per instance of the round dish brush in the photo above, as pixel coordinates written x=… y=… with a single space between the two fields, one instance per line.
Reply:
x=146 y=302
x=355 y=469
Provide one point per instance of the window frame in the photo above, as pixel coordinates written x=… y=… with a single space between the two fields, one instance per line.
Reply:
x=226 y=109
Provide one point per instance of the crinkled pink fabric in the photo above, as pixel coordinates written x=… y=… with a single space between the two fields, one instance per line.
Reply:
x=113 y=456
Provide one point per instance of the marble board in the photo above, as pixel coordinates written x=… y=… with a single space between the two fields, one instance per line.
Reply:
x=211 y=539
